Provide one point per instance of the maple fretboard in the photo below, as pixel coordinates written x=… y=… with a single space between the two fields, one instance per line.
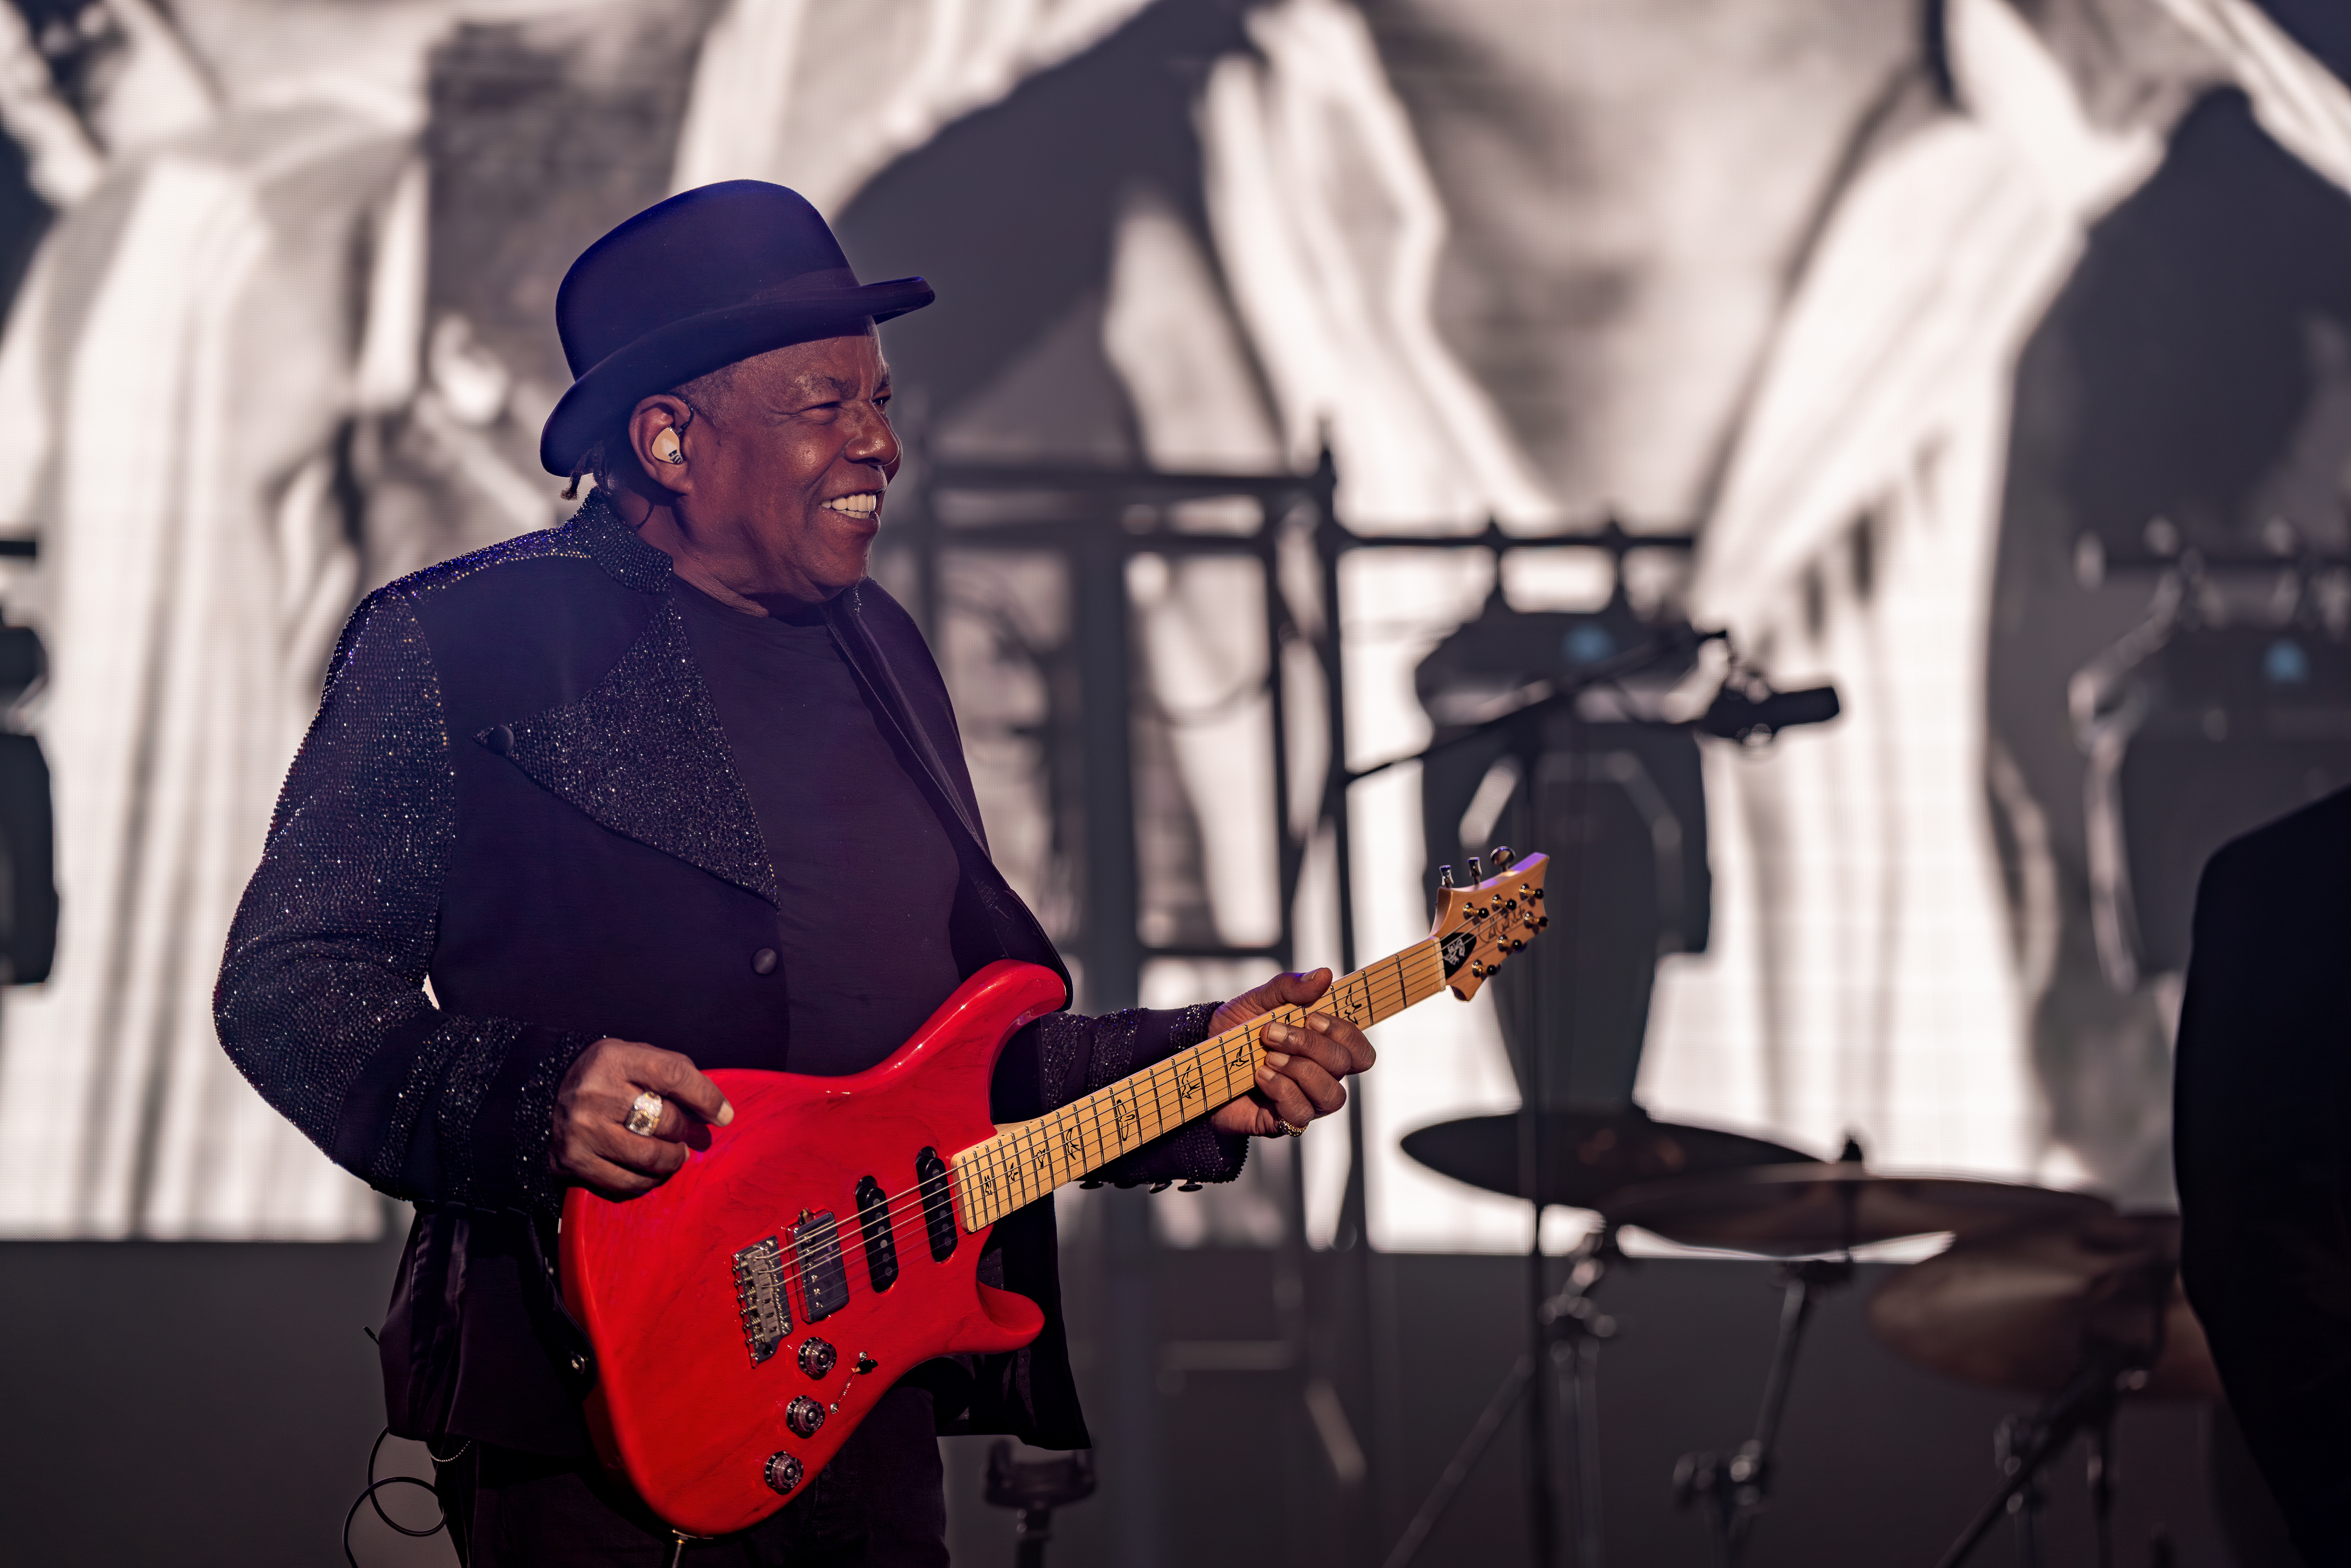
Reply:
x=1029 y=1159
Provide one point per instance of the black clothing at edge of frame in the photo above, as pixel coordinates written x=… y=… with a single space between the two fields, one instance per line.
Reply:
x=2264 y=1156
x=879 y=1504
x=518 y=784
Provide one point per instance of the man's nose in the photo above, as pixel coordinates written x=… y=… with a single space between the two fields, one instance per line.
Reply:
x=873 y=442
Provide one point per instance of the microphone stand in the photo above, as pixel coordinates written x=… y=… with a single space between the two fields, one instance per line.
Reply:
x=1558 y=1324
x=1566 y=1329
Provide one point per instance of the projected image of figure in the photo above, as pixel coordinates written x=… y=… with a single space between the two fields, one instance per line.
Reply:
x=1978 y=483
x=1852 y=290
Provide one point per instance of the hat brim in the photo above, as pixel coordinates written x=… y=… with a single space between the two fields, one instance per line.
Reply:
x=682 y=350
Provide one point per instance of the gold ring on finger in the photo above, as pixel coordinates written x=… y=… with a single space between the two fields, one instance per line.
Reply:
x=645 y=1114
x=1293 y=1131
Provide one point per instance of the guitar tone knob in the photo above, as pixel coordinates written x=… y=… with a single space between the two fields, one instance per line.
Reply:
x=783 y=1472
x=817 y=1357
x=804 y=1416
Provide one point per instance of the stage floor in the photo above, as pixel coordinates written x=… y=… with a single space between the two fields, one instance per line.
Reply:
x=200 y=1404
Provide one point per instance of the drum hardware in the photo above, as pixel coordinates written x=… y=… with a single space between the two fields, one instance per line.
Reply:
x=1572 y=1328
x=1581 y=1156
x=1553 y=1329
x=2089 y=1312
x=1816 y=1214
x=2025 y=1445
x=1734 y=1491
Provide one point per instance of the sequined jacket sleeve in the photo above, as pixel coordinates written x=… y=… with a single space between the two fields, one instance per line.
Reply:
x=1078 y=1054
x=321 y=1002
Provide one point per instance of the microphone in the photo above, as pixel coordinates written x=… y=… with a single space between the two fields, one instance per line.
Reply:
x=1743 y=711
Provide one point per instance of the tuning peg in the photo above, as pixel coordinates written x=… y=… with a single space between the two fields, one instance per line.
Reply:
x=1503 y=857
x=1444 y=877
x=1477 y=872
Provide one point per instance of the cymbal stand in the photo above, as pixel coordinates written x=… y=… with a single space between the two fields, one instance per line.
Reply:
x=2027 y=1443
x=1572 y=1327
x=2011 y=1438
x=1734 y=1492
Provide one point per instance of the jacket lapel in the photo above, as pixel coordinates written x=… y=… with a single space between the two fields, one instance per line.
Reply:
x=844 y=614
x=644 y=755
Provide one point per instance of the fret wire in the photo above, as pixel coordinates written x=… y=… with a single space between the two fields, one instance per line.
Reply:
x=1156 y=1116
x=971 y=1161
x=1372 y=994
x=1008 y=1154
x=984 y=1190
x=1032 y=1158
x=1004 y=1175
x=1159 y=1095
x=1073 y=1123
x=1016 y=1173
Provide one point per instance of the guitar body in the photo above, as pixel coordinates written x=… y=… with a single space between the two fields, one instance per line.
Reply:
x=748 y=1311
x=733 y=1306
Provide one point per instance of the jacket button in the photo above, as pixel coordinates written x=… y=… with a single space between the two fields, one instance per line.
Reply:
x=502 y=740
x=763 y=962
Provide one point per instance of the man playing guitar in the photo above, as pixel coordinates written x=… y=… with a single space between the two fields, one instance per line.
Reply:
x=673 y=786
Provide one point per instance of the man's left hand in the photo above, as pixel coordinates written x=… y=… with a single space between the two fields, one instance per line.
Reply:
x=1303 y=1063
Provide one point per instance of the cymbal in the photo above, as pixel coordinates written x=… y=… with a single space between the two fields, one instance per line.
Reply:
x=1793 y=1209
x=2017 y=1312
x=1586 y=1153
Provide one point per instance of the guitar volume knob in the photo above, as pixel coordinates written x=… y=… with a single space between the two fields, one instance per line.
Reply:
x=804 y=1416
x=783 y=1472
x=817 y=1357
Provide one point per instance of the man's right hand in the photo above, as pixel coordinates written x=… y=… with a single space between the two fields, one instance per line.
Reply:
x=593 y=1147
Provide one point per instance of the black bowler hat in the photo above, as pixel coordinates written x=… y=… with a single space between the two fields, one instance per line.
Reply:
x=712 y=276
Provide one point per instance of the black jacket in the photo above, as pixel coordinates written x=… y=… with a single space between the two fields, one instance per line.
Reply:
x=2262 y=1144
x=517 y=786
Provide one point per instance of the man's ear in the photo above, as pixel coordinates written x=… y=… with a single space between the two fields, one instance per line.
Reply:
x=661 y=441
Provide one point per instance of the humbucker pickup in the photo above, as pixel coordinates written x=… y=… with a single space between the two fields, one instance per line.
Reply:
x=759 y=1298
x=824 y=1278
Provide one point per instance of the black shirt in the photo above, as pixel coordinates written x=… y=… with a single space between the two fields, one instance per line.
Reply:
x=866 y=874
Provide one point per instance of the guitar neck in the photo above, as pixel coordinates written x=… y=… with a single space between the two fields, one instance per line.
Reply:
x=1029 y=1159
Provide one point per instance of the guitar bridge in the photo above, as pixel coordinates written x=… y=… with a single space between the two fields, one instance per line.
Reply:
x=759 y=1298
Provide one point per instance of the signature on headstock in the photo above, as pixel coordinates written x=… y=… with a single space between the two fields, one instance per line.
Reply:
x=1479 y=925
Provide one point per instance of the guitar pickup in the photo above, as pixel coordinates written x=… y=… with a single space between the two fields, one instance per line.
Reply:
x=759 y=1298
x=938 y=1204
x=881 y=1246
x=824 y=1277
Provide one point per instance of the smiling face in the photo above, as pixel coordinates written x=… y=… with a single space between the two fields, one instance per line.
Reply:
x=785 y=458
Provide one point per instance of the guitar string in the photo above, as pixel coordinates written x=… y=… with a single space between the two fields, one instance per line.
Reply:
x=1380 y=988
x=1381 y=997
x=1022 y=1173
x=1367 y=980
x=1373 y=991
x=1161 y=1077
x=1017 y=1181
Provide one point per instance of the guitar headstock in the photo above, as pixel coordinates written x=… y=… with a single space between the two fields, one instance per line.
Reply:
x=1479 y=925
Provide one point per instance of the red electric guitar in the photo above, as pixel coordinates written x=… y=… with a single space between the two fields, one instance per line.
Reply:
x=747 y=1312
